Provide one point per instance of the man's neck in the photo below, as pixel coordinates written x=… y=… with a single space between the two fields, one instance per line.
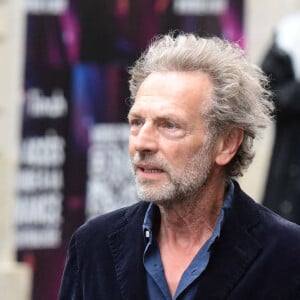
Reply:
x=192 y=218
x=184 y=229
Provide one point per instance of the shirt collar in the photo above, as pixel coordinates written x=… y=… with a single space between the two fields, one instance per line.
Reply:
x=152 y=213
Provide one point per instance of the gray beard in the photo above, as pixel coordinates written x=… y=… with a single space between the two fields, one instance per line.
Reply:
x=183 y=186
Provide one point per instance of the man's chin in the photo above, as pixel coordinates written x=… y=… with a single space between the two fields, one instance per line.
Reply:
x=148 y=194
x=156 y=197
x=158 y=202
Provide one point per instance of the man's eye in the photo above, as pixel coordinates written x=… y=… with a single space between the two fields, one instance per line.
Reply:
x=135 y=122
x=169 y=125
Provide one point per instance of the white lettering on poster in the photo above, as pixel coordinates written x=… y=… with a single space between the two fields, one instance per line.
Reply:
x=38 y=214
x=110 y=183
x=37 y=238
x=42 y=106
x=32 y=179
x=55 y=7
x=40 y=209
x=199 y=7
x=43 y=151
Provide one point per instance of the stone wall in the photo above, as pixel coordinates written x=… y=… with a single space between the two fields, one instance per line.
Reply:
x=15 y=278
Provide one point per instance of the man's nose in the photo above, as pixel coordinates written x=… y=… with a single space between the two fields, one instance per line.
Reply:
x=146 y=139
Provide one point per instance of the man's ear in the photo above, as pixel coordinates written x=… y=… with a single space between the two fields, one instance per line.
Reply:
x=228 y=145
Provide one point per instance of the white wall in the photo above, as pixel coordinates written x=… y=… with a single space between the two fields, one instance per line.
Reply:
x=15 y=278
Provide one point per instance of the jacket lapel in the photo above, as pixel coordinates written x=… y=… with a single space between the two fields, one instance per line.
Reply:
x=127 y=247
x=234 y=252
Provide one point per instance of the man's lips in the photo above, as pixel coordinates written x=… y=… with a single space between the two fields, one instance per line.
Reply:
x=147 y=168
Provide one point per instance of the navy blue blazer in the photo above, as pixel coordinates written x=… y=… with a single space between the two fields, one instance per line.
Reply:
x=256 y=257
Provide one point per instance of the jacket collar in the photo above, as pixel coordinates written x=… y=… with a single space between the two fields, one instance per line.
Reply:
x=234 y=252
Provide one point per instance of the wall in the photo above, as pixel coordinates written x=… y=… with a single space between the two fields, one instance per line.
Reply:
x=14 y=277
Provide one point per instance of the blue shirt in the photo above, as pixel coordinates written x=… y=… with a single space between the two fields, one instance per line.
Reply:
x=156 y=282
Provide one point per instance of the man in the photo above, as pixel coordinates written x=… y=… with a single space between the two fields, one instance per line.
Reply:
x=197 y=105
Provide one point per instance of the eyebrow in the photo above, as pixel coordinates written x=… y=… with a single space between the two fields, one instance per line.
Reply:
x=132 y=115
x=164 y=117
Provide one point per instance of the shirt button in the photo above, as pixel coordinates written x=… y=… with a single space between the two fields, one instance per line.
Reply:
x=194 y=272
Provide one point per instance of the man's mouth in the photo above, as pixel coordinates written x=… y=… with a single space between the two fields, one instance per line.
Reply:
x=151 y=170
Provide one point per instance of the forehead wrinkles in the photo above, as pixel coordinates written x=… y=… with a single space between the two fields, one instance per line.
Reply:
x=175 y=84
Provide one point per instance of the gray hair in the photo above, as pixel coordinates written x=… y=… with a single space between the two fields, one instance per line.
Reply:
x=241 y=98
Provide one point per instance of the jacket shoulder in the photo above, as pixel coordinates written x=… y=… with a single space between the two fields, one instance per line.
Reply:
x=284 y=228
x=270 y=227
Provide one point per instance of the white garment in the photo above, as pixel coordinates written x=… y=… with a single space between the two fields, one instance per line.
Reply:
x=288 y=39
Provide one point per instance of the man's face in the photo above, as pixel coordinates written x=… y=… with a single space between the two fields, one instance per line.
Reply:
x=169 y=149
